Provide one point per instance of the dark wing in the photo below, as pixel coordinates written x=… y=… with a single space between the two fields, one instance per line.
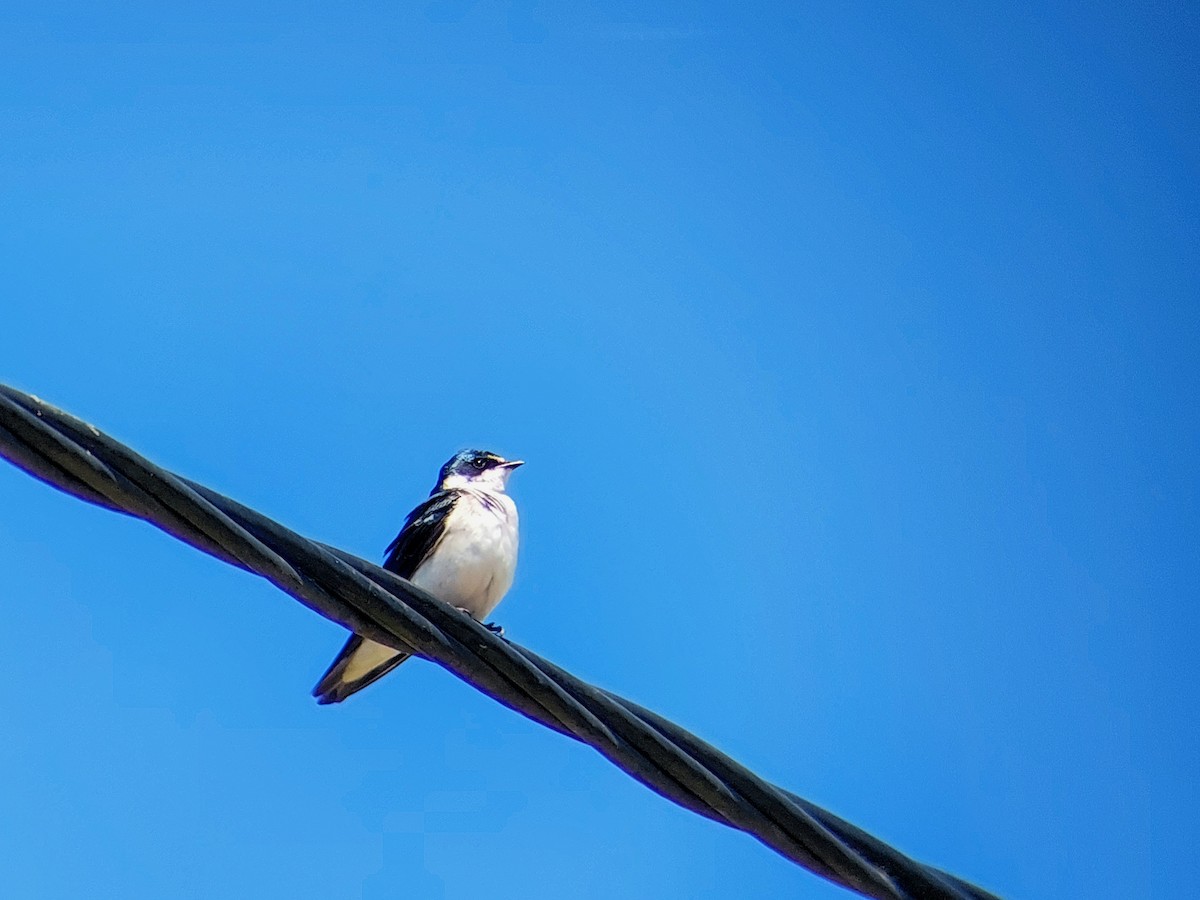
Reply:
x=422 y=532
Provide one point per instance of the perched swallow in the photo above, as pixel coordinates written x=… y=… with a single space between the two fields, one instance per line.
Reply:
x=459 y=545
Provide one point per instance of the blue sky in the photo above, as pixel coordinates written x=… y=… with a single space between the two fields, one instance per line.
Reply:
x=853 y=354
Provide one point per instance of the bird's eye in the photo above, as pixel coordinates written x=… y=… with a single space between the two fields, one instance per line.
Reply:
x=480 y=463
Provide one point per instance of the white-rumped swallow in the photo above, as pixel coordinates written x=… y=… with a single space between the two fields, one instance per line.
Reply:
x=460 y=545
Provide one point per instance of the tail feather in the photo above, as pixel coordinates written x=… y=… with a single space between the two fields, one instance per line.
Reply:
x=359 y=663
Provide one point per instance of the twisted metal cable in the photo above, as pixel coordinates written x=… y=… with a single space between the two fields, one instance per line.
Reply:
x=75 y=457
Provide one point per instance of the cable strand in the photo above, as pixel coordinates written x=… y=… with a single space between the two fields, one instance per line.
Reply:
x=77 y=458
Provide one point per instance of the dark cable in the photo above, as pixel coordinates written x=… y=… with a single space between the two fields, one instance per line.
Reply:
x=74 y=457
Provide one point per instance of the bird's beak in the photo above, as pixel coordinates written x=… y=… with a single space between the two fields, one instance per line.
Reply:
x=512 y=464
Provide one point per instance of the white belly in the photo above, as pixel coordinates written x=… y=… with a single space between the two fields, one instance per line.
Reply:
x=472 y=568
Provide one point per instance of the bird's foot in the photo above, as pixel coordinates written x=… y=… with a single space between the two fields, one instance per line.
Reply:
x=495 y=629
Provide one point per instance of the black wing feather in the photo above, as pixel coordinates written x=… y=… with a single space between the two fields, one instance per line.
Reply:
x=422 y=532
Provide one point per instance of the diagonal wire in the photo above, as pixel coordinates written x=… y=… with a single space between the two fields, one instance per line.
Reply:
x=75 y=457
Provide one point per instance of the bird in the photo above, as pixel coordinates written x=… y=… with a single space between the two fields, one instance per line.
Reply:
x=460 y=545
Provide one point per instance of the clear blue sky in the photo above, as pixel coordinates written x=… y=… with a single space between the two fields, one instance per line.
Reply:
x=853 y=352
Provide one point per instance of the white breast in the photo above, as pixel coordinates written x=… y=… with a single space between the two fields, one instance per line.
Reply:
x=474 y=563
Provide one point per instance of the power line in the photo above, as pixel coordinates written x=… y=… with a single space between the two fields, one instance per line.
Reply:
x=75 y=457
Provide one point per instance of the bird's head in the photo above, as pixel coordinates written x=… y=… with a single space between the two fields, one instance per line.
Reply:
x=476 y=468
